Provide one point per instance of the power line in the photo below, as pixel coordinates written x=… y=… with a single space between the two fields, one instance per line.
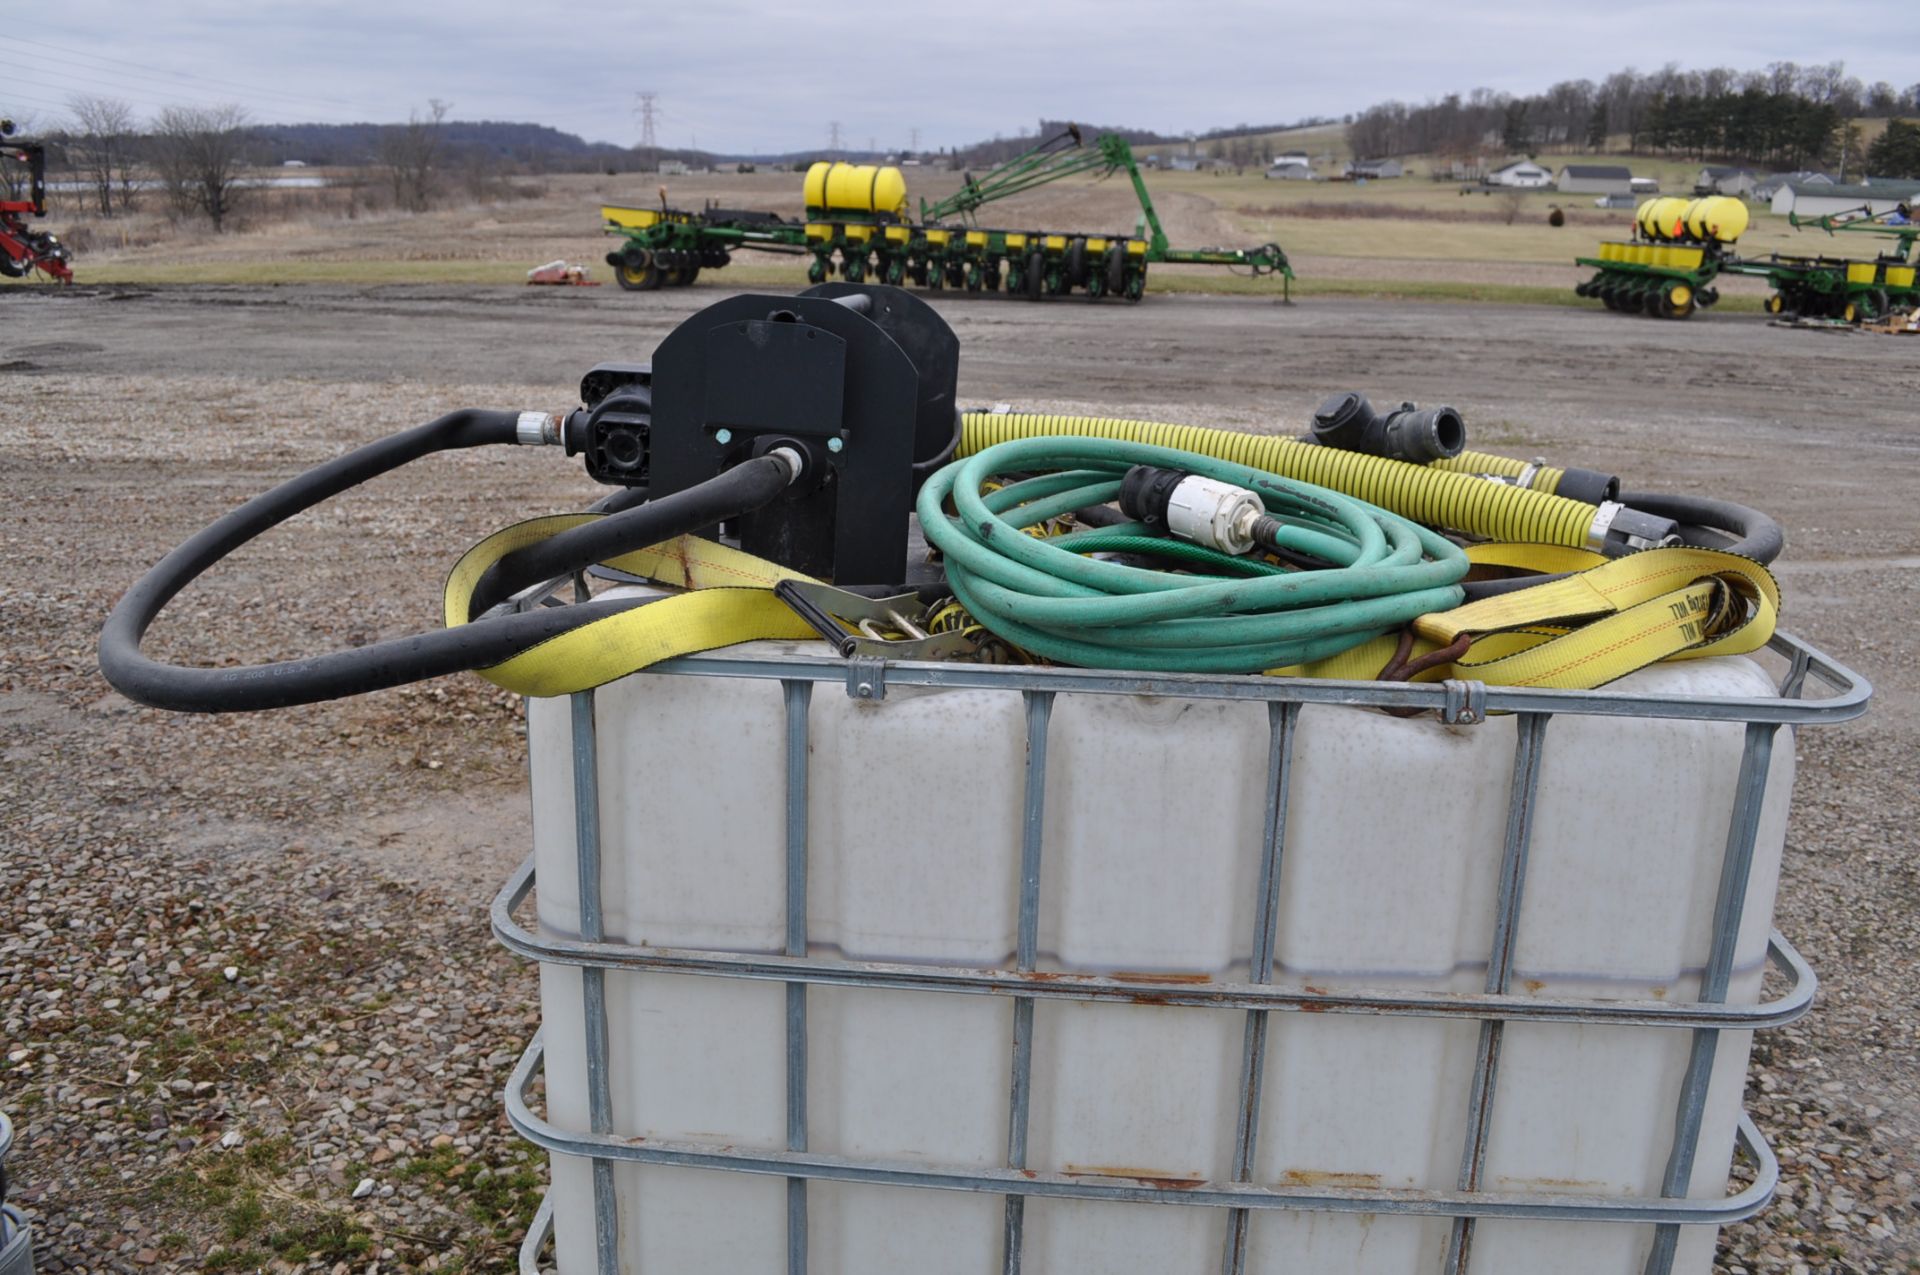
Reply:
x=140 y=96
x=66 y=82
x=164 y=82
x=186 y=75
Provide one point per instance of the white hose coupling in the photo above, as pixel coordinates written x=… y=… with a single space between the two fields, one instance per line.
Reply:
x=1215 y=514
x=537 y=429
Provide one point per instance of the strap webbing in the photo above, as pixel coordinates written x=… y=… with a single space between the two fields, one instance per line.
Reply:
x=1612 y=616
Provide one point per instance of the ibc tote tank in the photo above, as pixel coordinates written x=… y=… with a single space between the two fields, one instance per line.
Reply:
x=1149 y=849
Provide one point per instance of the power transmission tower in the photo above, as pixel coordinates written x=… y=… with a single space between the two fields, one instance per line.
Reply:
x=645 y=108
x=913 y=140
x=833 y=137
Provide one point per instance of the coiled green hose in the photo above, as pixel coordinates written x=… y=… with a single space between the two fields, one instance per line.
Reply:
x=1426 y=494
x=1044 y=594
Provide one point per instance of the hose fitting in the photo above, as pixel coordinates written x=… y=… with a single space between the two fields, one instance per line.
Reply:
x=1410 y=433
x=1205 y=511
x=1618 y=529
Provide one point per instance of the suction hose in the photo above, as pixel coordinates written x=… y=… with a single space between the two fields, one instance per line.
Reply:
x=1715 y=524
x=1585 y=485
x=422 y=655
x=1046 y=595
x=1430 y=494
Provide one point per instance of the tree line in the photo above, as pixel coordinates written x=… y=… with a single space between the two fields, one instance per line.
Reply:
x=197 y=160
x=1786 y=116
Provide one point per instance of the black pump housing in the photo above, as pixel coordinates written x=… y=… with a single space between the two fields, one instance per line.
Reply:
x=859 y=380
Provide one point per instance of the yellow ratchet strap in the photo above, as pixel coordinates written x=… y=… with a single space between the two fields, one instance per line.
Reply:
x=1613 y=616
x=1609 y=618
x=729 y=601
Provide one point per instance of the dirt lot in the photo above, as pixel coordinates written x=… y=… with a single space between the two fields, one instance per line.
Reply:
x=244 y=969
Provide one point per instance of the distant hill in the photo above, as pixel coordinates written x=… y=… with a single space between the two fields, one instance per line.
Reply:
x=540 y=147
x=350 y=144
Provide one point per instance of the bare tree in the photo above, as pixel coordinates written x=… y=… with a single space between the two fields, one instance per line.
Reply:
x=412 y=155
x=101 y=145
x=200 y=152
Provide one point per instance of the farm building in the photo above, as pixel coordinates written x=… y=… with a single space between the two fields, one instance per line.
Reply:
x=1291 y=169
x=1596 y=179
x=1818 y=199
x=1718 y=179
x=1373 y=168
x=1523 y=173
x=1771 y=185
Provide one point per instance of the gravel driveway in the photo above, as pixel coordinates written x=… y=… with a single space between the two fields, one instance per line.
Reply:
x=252 y=1015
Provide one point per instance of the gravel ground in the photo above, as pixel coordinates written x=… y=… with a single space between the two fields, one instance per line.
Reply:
x=250 y=1016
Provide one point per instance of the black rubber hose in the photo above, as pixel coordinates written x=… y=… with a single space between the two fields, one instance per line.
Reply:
x=341 y=673
x=1703 y=522
x=1714 y=524
x=739 y=490
x=306 y=681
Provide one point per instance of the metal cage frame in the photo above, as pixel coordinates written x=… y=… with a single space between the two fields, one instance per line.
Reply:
x=1496 y=1006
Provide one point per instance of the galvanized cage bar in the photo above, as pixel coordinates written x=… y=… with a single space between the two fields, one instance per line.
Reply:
x=798 y=697
x=593 y=979
x=1743 y=828
x=1282 y=722
x=1039 y=708
x=1410 y=1202
x=1781 y=955
x=1238 y=1196
x=1528 y=741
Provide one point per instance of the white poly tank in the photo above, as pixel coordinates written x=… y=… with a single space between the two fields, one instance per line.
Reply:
x=1150 y=850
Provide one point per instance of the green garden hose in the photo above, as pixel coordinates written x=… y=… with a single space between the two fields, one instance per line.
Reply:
x=1046 y=595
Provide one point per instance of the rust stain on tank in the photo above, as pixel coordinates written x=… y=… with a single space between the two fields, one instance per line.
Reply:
x=1139 y=976
x=1533 y=985
x=1146 y=1177
x=1319 y=1177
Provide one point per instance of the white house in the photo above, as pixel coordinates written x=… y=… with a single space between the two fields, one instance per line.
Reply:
x=1771 y=186
x=1596 y=179
x=1819 y=199
x=1523 y=173
x=1717 y=179
x=1375 y=168
x=1290 y=168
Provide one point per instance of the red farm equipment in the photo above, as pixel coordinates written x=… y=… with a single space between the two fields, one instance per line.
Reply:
x=22 y=248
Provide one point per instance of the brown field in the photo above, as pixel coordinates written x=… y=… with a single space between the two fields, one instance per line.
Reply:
x=1409 y=237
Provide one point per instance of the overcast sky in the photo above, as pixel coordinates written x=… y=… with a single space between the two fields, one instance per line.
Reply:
x=733 y=76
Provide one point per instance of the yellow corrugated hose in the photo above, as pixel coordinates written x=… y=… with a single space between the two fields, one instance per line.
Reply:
x=1435 y=497
x=1545 y=477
